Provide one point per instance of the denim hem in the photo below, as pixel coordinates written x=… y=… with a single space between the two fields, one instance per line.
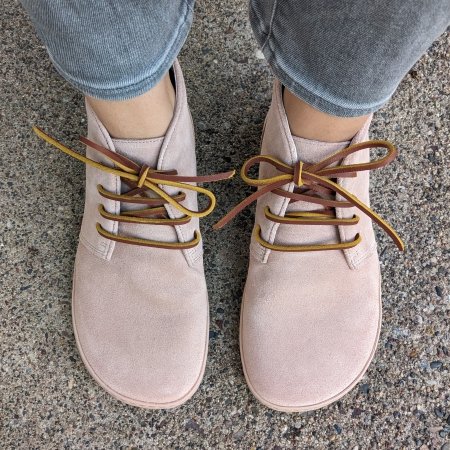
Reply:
x=148 y=81
x=298 y=86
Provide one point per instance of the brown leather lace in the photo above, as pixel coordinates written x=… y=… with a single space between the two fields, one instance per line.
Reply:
x=141 y=179
x=313 y=184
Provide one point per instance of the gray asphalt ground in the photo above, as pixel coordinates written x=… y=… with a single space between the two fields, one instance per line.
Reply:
x=48 y=400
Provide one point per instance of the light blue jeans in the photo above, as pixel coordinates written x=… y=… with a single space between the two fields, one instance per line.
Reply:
x=344 y=57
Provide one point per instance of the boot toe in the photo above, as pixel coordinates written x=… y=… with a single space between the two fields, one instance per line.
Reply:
x=145 y=345
x=304 y=349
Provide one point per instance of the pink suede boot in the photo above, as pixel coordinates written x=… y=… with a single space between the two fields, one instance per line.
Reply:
x=311 y=310
x=140 y=305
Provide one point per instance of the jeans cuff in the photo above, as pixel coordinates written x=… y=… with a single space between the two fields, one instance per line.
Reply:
x=298 y=85
x=146 y=81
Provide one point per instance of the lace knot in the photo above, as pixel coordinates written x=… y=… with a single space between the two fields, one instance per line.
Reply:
x=314 y=184
x=298 y=170
x=141 y=179
x=143 y=175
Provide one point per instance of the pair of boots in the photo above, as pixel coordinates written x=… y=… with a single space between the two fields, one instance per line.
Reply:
x=311 y=310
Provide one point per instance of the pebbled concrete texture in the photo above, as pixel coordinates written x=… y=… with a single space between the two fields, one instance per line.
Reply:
x=47 y=398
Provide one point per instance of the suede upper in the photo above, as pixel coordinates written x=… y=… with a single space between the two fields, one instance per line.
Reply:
x=309 y=320
x=141 y=314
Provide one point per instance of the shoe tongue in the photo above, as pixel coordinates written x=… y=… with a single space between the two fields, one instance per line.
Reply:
x=141 y=151
x=312 y=152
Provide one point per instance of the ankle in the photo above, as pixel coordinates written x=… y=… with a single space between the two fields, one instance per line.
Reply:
x=146 y=116
x=310 y=123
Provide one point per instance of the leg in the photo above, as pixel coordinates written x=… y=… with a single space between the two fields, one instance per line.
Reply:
x=139 y=305
x=118 y=55
x=346 y=59
x=311 y=123
x=311 y=308
x=145 y=116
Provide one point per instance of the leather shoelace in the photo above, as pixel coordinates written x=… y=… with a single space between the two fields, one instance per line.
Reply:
x=313 y=183
x=141 y=179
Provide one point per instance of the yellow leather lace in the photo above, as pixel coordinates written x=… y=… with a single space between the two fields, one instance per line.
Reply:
x=141 y=179
x=313 y=183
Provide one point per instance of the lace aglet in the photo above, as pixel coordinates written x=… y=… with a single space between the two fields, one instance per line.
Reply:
x=218 y=225
x=40 y=133
x=51 y=140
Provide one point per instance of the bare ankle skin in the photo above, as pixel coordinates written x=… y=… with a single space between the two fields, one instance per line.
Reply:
x=142 y=117
x=310 y=123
